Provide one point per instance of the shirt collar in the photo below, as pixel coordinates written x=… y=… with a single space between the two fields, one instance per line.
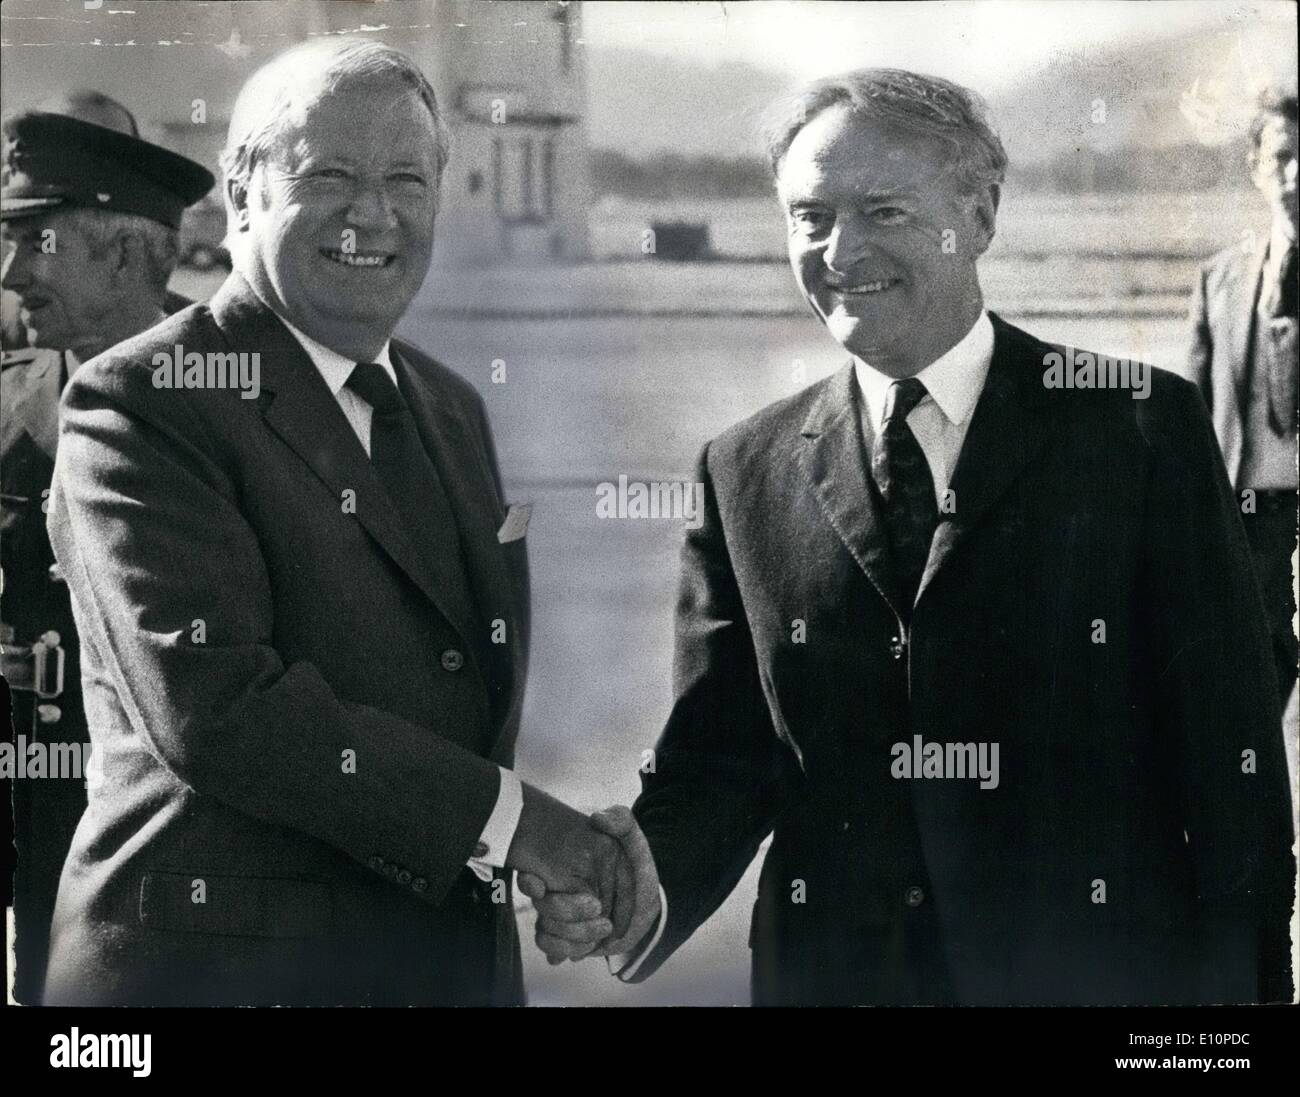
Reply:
x=336 y=368
x=954 y=380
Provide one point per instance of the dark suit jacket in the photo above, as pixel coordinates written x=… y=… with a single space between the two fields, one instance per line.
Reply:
x=1223 y=340
x=290 y=798
x=1121 y=762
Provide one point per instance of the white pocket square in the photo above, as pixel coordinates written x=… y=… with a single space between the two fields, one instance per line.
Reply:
x=516 y=523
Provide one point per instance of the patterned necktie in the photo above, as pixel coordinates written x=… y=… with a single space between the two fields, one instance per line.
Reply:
x=903 y=476
x=408 y=475
x=1280 y=305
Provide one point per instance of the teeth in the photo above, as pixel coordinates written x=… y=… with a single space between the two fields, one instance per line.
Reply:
x=350 y=259
x=866 y=287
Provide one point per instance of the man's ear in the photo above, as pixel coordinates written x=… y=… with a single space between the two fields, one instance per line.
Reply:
x=127 y=254
x=984 y=206
x=237 y=203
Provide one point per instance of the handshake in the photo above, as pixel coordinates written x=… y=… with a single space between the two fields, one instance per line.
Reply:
x=592 y=879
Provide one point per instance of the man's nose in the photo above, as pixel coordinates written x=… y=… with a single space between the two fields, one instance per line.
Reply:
x=845 y=244
x=371 y=208
x=13 y=271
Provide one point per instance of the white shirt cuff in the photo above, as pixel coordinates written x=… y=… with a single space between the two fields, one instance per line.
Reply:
x=627 y=964
x=494 y=842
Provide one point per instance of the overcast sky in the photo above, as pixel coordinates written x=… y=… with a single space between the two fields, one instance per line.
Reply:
x=986 y=42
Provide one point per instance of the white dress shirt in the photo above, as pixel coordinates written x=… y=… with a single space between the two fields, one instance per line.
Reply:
x=954 y=382
x=335 y=369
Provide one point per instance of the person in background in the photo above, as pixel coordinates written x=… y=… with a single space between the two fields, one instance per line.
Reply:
x=91 y=214
x=1243 y=359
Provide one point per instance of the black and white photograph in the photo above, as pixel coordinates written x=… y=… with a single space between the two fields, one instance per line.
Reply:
x=600 y=504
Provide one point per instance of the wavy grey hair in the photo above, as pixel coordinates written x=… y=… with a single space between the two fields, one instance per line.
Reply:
x=909 y=100
x=270 y=100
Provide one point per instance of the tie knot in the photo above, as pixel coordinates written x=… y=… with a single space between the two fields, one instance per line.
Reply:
x=902 y=397
x=370 y=381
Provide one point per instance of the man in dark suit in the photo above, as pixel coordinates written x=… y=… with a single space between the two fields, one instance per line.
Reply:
x=1243 y=359
x=982 y=653
x=303 y=602
x=91 y=215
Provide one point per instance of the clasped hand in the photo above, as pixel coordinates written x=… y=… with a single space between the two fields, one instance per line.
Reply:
x=591 y=879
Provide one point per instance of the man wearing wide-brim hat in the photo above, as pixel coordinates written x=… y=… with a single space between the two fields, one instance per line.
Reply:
x=91 y=213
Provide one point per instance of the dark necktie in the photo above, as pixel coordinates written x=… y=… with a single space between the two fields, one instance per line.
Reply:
x=1283 y=386
x=903 y=476
x=408 y=475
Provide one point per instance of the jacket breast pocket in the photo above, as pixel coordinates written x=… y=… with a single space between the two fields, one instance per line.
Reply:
x=235 y=906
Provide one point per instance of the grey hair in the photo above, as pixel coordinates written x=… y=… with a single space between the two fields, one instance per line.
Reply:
x=161 y=251
x=910 y=100
x=266 y=104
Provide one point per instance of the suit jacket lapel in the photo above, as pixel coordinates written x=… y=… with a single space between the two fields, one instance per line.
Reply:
x=473 y=499
x=835 y=460
x=298 y=405
x=1243 y=296
x=1009 y=427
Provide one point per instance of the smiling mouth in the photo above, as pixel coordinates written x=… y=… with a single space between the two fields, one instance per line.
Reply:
x=357 y=260
x=865 y=288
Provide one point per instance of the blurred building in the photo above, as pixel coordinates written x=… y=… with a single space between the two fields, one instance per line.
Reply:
x=510 y=76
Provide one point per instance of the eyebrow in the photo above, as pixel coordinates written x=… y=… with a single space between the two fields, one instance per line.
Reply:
x=319 y=159
x=866 y=196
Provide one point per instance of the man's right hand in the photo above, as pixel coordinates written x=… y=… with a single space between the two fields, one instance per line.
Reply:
x=567 y=927
x=560 y=847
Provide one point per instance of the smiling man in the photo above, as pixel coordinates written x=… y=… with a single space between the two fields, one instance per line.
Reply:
x=933 y=548
x=305 y=617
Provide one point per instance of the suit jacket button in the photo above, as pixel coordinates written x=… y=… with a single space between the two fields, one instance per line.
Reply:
x=452 y=660
x=49 y=714
x=390 y=870
x=896 y=647
x=56 y=573
x=419 y=884
x=376 y=863
x=403 y=877
x=914 y=897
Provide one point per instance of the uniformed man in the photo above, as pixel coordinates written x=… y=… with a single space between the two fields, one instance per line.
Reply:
x=91 y=215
